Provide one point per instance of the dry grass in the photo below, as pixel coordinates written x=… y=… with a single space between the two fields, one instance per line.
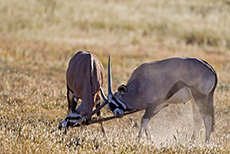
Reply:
x=38 y=37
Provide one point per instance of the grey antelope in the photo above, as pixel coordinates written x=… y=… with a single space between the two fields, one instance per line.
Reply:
x=84 y=78
x=153 y=86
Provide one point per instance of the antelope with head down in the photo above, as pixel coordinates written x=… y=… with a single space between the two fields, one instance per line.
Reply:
x=84 y=78
x=153 y=86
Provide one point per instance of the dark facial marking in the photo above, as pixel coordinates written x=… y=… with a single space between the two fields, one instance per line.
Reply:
x=113 y=106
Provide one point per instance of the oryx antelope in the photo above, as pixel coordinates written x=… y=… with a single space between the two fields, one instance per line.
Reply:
x=153 y=86
x=84 y=78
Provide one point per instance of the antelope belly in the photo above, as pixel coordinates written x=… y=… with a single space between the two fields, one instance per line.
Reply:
x=182 y=96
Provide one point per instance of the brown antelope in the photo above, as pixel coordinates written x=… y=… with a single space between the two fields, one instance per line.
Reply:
x=84 y=78
x=153 y=86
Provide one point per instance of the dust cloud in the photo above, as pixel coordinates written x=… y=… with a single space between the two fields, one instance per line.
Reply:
x=173 y=124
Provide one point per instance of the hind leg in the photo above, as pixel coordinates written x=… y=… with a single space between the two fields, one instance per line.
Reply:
x=207 y=111
x=209 y=119
x=197 y=120
x=208 y=125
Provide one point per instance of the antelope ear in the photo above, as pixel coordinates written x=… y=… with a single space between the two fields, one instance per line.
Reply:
x=122 y=89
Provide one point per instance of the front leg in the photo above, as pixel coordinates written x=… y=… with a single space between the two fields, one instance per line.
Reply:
x=144 y=123
x=150 y=111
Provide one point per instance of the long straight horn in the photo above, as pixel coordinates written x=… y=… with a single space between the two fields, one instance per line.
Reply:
x=109 y=78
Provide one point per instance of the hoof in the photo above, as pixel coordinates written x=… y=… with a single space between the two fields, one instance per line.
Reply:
x=62 y=125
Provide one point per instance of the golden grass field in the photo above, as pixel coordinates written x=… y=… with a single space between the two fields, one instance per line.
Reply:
x=38 y=38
